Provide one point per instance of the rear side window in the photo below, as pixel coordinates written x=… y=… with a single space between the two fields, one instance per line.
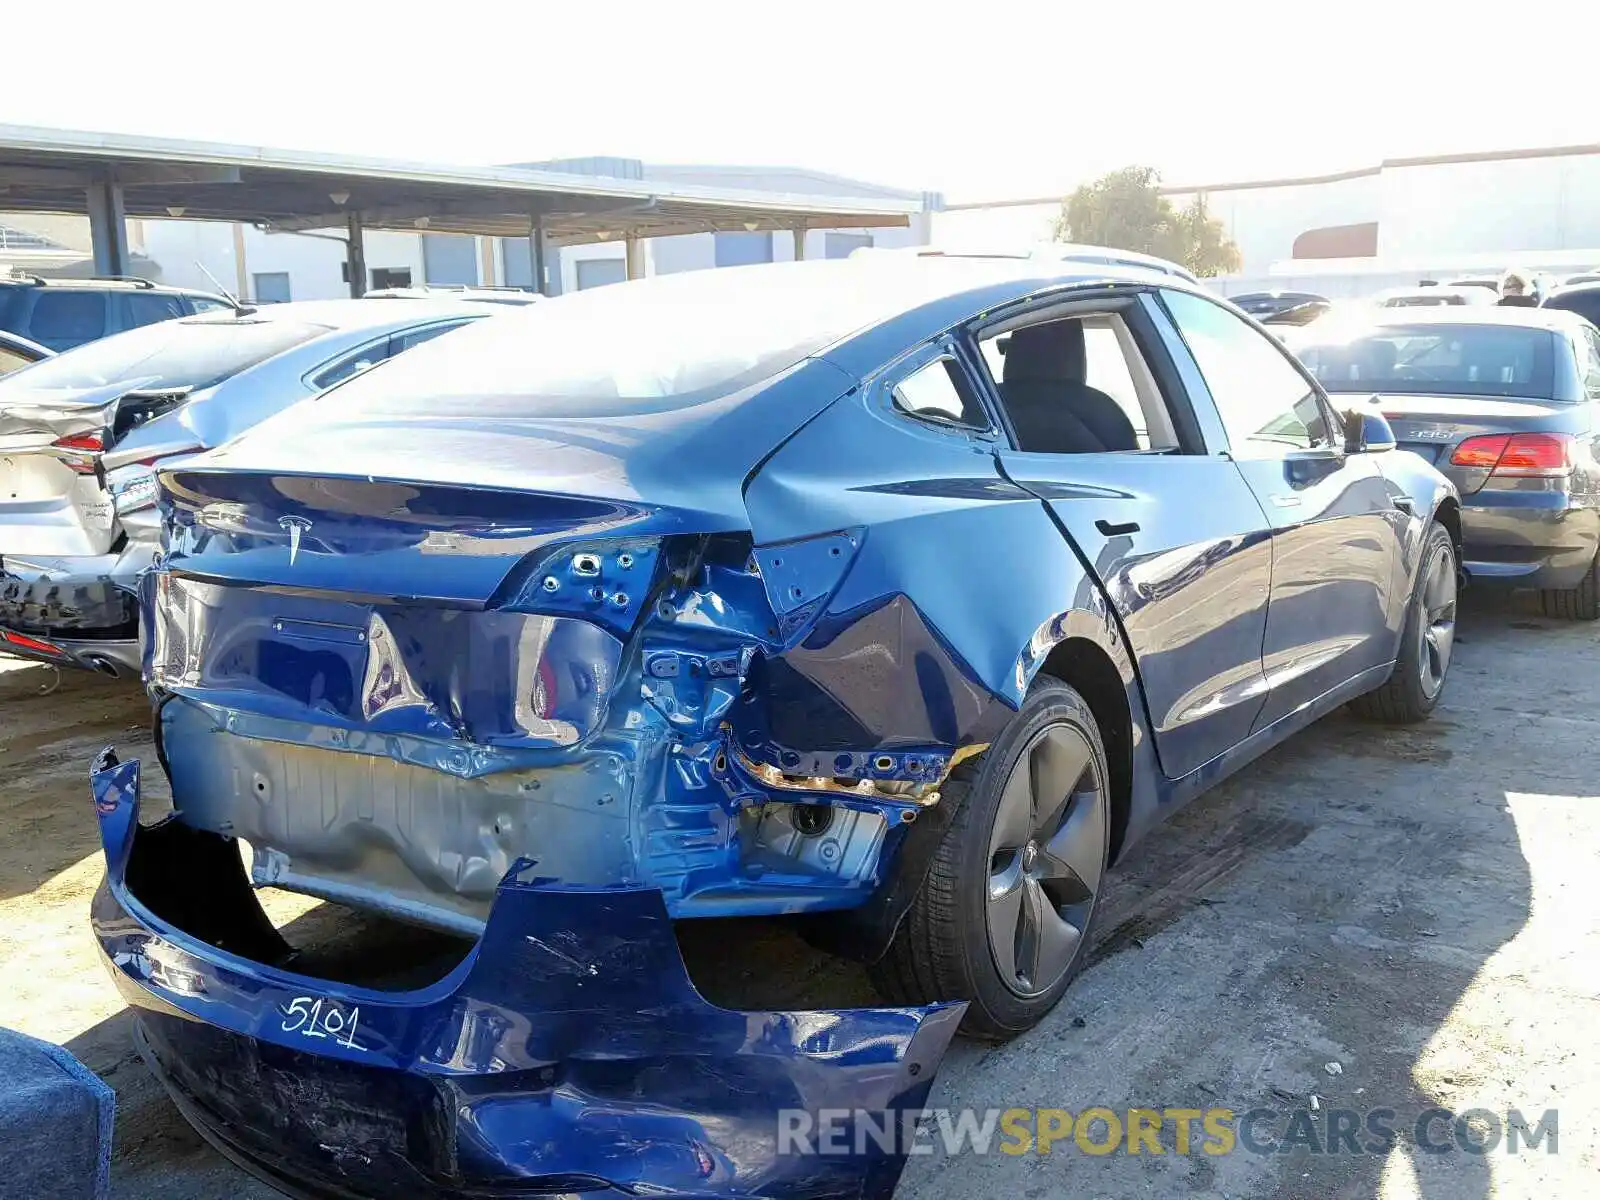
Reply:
x=940 y=392
x=201 y=304
x=11 y=360
x=63 y=319
x=401 y=342
x=134 y=309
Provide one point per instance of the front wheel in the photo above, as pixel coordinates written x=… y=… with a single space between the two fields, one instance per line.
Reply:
x=1003 y=919
x=1427 y=643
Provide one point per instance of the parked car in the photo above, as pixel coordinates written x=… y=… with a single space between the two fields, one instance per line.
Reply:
x=82 y=434
x=63 y=313
x=1283 y=308
x=1580 y=298
x=1433 y=295
x=18 y=352
x=871 y=592
x=1503 y=401
x=486 y=295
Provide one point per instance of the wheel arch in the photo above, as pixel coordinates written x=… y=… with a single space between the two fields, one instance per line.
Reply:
x=1448 y=513
x=1085 y=666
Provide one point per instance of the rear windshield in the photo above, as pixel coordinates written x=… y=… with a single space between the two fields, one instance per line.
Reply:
x=195 y=354
x=661 y=344
x=1464 y=360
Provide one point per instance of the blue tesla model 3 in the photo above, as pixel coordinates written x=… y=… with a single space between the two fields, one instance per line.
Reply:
x=896 y=597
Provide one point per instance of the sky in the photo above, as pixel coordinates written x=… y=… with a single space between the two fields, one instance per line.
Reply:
x=992 y=100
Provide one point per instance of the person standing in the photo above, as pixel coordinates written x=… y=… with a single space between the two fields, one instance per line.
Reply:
x=1516 y=290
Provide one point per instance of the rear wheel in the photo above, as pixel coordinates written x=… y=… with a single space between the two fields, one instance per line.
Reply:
x=1427 y=643
x=1003 y=919
x=1581 y=603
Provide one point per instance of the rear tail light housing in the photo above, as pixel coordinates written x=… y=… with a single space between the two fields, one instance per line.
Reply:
x=1530 y=455
x=23 y=642
x=80 y=451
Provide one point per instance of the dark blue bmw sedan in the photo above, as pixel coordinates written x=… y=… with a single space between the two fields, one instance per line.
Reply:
x=895 y=597
x=1504 y=401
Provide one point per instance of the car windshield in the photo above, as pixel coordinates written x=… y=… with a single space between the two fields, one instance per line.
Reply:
x=198 y=353
x=1463 y=360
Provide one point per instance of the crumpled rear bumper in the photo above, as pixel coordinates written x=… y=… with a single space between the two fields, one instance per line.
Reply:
x=569 y=1053
x=80 y=611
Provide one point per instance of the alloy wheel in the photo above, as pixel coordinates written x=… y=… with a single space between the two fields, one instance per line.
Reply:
x=1046 y=855
x=1438 y=621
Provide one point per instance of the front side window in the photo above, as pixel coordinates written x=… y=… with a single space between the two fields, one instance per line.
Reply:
x=1078 y=385
x=146 y=308
x=1267 y=406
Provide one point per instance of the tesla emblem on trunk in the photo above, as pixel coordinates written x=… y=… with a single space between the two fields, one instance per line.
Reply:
x=295 y=526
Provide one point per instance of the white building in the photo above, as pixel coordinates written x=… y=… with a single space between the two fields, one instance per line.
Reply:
x=1444 y=214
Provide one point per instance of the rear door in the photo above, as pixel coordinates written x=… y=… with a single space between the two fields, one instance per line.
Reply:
x=1168 y=524
x=1338 y=585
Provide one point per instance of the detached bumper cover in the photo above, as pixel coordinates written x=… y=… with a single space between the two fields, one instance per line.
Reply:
x=569 y=1053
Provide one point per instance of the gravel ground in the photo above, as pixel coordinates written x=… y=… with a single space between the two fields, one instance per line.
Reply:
x=1365 y=919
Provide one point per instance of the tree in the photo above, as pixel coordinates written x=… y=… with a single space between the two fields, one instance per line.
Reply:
x=1126 y=211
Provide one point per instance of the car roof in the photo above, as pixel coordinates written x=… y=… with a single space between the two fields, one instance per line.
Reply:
x=1568 y=289
x=351 y=314
x=874 y=303
x=125 y=283
x=1516 y=316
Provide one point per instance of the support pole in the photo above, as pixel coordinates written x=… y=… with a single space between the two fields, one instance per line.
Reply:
x=536 y=254
x=108 y=230
x=356 y=255
x=635 y=258
x=799 y=243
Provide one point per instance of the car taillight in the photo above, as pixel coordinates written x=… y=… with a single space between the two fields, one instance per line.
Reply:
x=1481 y=452
x=80 y=450
x=1534 y=454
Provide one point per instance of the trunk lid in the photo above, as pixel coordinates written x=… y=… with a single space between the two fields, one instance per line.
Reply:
x=431 y=610
x=1433 y=426
x=53 y=499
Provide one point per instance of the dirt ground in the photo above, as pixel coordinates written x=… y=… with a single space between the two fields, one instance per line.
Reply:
x=1364 y=919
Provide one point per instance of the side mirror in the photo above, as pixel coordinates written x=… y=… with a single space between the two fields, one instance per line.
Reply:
x=1367 y=432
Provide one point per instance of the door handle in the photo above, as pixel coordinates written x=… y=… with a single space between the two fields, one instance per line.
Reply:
x=1405 y=504
x=1285 y=501
x=1114 y=529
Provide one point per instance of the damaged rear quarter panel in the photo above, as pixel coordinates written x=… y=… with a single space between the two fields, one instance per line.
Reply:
x=961 y=588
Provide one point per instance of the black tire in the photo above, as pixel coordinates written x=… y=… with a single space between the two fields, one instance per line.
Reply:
x=1581 y=603
x=943 y=949
x=1413 y=689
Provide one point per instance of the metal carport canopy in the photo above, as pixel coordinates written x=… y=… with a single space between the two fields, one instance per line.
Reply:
x=60 y=170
